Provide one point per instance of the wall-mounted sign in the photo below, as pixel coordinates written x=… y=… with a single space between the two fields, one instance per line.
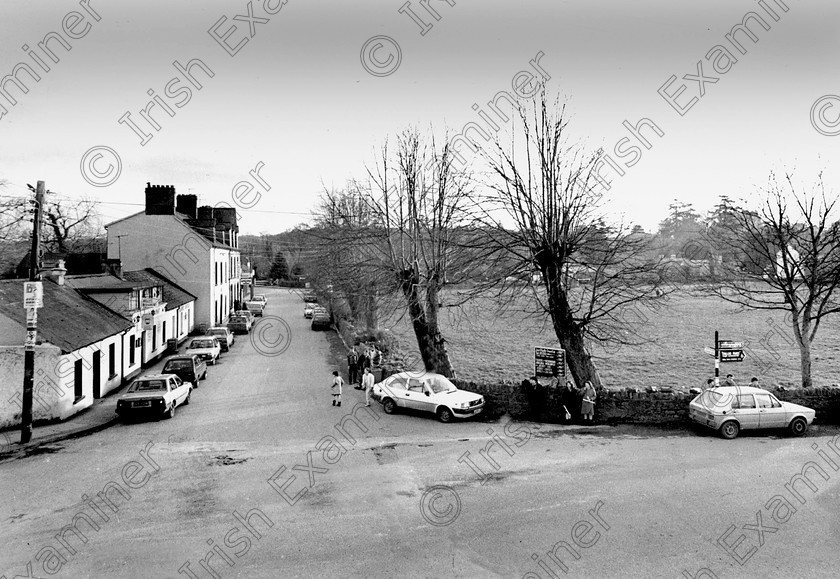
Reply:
x=33 y=294
x=148 y=321
x=549 y=362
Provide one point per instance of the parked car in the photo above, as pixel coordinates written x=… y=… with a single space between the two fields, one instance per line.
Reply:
x=320 y=319
x=239 y=324
x=156 y=394
x=206 y=348
x=260 y=298
x=429 y=392
x=188 y=367
x=224 y=335
x=256 y=308
x=249 y=315
x=730 y=409
x=308 y=310
x=310 y=297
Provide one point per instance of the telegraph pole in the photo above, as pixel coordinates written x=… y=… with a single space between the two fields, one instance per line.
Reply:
x=32 y=305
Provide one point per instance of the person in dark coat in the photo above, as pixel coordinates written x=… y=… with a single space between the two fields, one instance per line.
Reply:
x=352 y=365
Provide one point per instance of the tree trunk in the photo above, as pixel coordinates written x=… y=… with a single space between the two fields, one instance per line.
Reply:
x=569 y=333
x=805 y=362
x=424 y=321
x=371 y=312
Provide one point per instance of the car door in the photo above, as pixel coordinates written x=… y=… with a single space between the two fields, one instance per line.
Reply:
x=396 y=390
x=414 y=396
x=180 y=389
x=770 y=411
x=744 y=408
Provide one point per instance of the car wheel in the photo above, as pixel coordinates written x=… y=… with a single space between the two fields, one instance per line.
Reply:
x=171 y=412
x=798 y=426
x=389 y=406
x=729 y=429
x=195 y=383
x=187 y=399
x=444 y=414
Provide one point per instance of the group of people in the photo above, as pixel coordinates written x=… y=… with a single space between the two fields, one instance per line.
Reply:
x=730 y=381
x=359 y=371
x=571 y=396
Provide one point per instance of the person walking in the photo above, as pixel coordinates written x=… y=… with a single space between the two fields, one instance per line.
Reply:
x=367 y=384
x=337 y=384
x=587 y=405
x=352 y=365
x=730 y=380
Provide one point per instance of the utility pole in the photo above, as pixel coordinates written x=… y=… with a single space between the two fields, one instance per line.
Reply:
x=31 y=317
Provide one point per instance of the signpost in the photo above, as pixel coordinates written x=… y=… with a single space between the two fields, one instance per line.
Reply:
x=33 y=298
x=549 y=362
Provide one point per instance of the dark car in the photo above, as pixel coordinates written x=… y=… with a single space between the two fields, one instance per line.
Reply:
x=188 y=368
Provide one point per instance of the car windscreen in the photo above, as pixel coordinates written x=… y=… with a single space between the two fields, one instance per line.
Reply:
x=440 y=384
x=217 y=332
x=201 y=344
x=148 y=386
x=178 y=365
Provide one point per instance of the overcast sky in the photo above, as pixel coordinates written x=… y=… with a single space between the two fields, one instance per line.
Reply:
x=297 y=98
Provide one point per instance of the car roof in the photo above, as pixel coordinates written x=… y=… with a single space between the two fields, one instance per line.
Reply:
x=154 y=377
x=181 y=357
x=739 y=390
x=417 y=376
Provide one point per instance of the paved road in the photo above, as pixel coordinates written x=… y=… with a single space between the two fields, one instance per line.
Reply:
x=207 y=486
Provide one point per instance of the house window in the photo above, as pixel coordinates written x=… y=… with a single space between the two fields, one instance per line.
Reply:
x=164 y=332
x=154 y=337
x=77 y=381
x=111 y=361
x=131 y=347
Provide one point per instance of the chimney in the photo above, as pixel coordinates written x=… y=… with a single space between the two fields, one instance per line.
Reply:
x=186 y=204
x=160 y=199
x=205 y=212
x=115 y=267
x=57 y=273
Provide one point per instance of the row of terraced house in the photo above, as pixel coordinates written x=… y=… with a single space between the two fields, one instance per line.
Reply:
x=172 y=270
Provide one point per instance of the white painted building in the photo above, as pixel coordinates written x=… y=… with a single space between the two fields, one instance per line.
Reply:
x=197 y=248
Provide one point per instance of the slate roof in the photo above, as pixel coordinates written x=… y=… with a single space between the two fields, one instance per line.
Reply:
x=68 y=319
x=206 y=233
x=173 y=294
x=106 y=282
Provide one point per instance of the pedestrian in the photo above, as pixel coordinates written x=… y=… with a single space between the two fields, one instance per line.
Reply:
x=337 y=384
x=754 y=382
x=360 y=366
x=568 y=395
x=587 y=405
x=367 y=384
x=730 y=380
x=375 y=356
x=352 y=365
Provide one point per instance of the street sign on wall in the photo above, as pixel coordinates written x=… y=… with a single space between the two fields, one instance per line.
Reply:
x=33 y=294
x=549 y=362
x=148 y=321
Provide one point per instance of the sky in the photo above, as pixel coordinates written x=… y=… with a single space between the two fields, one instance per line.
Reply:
x=307 y=90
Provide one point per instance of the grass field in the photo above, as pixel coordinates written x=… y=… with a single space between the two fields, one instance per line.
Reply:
x=488 y=346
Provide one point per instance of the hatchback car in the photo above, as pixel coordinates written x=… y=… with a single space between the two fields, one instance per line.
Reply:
x=224 y=335
x=255 y=307
x=207 y=348
x=261 y=298
x=189 y=368
x=730 y=409
x=428 y=392
x=156 y=394
x=308 y=310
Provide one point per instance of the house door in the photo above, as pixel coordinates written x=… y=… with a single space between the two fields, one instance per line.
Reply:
x=97 y=373
x=143 y=348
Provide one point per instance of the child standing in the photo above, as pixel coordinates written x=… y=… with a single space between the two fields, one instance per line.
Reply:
x=337 y=384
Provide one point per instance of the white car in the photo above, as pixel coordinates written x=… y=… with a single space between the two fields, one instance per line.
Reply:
x=206 y=348
x=308 y=310
x=261 y=298
x=224 y=335
x=157 y=394
x=730 y=409
x=427 y=392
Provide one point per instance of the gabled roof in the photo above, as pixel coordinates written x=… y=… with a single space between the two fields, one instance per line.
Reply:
x=173 y=294
x=180 y=218
x=68 y=319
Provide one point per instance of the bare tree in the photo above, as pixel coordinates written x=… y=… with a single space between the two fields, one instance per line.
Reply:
x=792 y=250
x=546 y=219
x=418 y=197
